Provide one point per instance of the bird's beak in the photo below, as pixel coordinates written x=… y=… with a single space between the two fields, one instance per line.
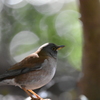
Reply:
x=60 y=47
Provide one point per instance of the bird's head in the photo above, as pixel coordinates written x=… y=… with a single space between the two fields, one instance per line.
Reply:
x=49 y=49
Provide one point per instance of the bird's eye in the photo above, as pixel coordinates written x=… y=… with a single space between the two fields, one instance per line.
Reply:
x=54 y=48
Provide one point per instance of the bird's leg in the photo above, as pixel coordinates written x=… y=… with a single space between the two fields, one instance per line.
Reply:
x=35 y=95
x=28 y=93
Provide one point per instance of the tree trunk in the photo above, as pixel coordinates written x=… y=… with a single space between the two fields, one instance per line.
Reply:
x=90 y=81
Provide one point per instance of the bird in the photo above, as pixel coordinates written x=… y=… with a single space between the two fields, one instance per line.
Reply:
x=34 y=71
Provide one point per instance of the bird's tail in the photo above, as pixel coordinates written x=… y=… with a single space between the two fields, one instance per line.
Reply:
x=7 y=82
x=4 y=81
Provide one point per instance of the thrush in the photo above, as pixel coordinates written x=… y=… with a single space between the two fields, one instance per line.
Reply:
x=34 y=71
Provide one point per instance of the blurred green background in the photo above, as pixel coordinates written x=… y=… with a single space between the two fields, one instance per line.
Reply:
x=27 y=24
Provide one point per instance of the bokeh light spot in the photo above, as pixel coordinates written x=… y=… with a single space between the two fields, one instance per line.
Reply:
x=14 y=3
x=51 y=7
x=65 y=22
x=21 y=44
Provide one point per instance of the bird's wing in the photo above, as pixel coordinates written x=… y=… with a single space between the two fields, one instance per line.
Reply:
x=30 y=63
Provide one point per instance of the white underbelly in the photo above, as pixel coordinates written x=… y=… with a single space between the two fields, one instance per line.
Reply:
x=43 y=80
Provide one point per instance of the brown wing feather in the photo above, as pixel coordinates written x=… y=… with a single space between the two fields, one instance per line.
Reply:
x=30 y=61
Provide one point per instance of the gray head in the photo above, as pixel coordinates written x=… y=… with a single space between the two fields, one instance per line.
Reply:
x=50 y=49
